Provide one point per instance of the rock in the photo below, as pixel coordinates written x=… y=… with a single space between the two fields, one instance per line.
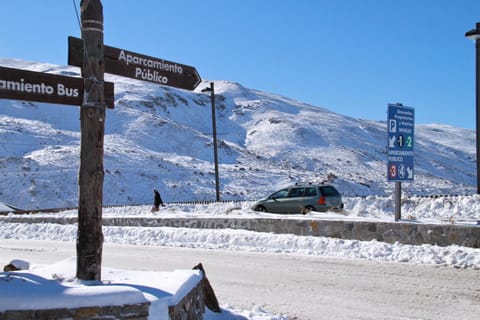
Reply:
x=209 y=297
x=10 y=267
x=16 y=265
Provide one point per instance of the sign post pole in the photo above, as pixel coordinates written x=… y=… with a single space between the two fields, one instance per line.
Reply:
x=92 y=123
x=398 y=201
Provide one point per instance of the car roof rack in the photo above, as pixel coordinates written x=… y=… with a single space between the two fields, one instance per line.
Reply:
x=305 y=183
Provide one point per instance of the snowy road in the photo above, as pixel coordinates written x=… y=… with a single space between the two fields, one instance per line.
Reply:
x=305 y=288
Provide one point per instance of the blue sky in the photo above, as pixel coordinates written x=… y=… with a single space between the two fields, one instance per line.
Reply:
x=349 y=56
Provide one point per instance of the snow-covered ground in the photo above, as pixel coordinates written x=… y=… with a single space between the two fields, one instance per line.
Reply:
x=55 y=286
x=241 y=240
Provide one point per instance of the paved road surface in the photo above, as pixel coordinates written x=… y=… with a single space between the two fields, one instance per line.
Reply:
x=305 y=288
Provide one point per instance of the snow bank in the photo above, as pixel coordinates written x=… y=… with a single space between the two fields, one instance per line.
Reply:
x=241 y=240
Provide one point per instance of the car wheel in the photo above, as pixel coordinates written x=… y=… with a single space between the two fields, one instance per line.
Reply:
x=261 y=209
x=307 y=209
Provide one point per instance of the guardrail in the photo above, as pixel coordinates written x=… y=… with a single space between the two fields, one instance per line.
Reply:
x=54 y=210
x=193 y=202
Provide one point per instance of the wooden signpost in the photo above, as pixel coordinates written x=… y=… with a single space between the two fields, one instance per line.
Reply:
x=93 y=95
x=92 y=126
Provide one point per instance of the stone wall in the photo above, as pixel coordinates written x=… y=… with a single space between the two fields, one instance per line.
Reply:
x=190 y=307
x=402 y=232
x=391 y=232
x=124 y=312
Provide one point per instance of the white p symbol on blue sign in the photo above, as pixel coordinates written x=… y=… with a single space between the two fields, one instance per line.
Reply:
x=392 y=125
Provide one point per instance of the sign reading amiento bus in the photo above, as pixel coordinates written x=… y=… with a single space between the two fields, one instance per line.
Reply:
x=28 y=85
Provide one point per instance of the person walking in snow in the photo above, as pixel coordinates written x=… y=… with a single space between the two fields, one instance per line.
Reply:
x=157 y=200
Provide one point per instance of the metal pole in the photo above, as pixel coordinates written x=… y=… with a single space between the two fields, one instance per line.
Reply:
x=215 y=153
x=474 y=34
x=477 y=109
x=398 y=201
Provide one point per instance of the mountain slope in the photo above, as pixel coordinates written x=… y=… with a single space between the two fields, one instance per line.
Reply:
x=160 y=137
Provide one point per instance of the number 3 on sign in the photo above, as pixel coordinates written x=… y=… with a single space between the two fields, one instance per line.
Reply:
x=393 y=171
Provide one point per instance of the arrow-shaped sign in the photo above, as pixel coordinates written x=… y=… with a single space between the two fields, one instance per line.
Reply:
x=28 y=85
x=137 y=66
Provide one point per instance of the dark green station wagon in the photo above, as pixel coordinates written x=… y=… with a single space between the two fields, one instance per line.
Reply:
x=302 y=198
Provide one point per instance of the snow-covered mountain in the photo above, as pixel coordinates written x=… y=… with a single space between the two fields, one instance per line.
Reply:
x=161 y=137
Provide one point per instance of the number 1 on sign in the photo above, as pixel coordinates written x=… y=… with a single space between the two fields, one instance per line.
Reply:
x=400 y=141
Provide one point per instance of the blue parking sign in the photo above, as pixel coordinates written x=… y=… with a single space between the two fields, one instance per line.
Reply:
x=401 y=129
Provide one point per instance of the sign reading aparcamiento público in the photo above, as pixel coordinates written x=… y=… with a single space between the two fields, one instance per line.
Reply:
x=138 y=66
x=401 y=129
x=28 y=85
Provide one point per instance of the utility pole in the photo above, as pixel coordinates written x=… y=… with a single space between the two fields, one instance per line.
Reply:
x=215 y=145
x=211 y=89
x=474 y=35
x=92 y=123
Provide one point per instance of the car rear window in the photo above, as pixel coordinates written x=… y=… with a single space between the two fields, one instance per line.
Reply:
x=329 y=191
x=310 y=191
x=297 y=192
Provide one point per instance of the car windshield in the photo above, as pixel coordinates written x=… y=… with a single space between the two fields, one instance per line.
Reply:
x=329 y=191
x=280 y=194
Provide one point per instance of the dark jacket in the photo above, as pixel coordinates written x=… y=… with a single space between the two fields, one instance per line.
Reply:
x=157 y=199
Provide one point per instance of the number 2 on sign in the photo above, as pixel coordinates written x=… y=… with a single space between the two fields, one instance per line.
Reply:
x=409 y=141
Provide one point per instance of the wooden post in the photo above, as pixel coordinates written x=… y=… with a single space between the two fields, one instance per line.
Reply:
x=92 y=122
